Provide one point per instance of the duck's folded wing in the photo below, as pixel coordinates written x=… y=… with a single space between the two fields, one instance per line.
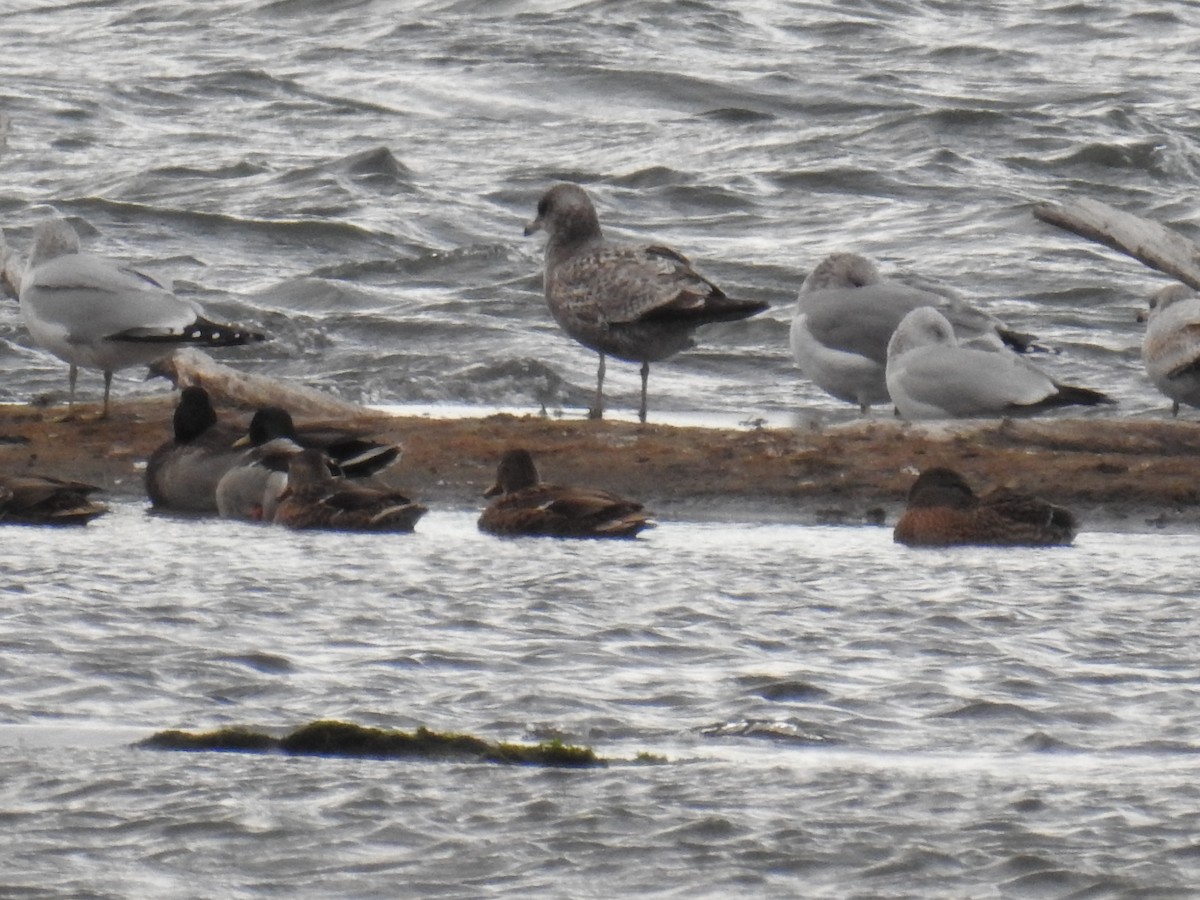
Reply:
x=588 y=503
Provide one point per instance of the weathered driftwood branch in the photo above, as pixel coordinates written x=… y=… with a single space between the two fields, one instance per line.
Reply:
x=188 y=366
x=1148 y=242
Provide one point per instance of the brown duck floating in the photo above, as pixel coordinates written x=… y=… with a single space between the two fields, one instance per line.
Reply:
x=41 y=500
x=314 y=498
x=943 y=511
x=526 y=506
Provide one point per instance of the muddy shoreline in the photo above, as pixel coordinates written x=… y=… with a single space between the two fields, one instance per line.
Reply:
x=1117 y=474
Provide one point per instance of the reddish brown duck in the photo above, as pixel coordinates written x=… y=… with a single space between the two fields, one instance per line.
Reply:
x=524 y=505
x=943 y=511
x=41 y=500
x=314 y=498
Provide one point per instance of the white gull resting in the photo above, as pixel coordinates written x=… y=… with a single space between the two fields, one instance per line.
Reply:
x=637 y=303
x=1171 y=345
x=94 y=313
x=930 y=375
x=846 y=313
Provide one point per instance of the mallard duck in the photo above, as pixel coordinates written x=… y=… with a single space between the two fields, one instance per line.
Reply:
x=314 y=498
x=637 y=303
x=250 y=489
x=943 y=511
x=182 y=474
x=351 y=451
x=42 y=500
x=94 y=313
x=524 y=505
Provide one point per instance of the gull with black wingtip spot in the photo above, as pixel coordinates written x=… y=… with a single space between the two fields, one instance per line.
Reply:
x=94 y=313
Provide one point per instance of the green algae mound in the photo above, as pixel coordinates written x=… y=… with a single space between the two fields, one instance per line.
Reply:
x=331 y=738
x=240 y=740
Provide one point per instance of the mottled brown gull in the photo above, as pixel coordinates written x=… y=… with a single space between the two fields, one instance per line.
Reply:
x=1171 y=345
x=639 y=303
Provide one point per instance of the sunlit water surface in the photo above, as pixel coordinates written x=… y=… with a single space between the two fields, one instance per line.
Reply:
x=839 y=716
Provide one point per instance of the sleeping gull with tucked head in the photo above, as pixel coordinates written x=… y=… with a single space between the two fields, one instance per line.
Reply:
x=930 y=375
x=846 y=313
x=97 y=314
x=638 y=303
x=1171 y=345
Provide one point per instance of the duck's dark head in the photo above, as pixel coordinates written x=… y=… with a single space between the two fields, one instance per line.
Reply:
x=515 y=472
x=194 y=414
x=941 y=487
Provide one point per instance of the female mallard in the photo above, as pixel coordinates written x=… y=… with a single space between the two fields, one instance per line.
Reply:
x=943 y=511
x=41 y=500
x=314 y=498
x=524 y=505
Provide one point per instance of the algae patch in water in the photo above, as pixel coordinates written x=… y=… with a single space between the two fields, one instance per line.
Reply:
x=330 y=738
x=239 y=740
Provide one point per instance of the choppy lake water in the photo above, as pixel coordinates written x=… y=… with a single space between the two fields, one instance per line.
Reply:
x=841 y=717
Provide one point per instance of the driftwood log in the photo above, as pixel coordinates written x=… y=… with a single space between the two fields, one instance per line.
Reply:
x=1150 y=243
x=188 y=367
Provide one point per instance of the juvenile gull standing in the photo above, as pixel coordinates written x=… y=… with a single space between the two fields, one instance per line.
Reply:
x=637 y=303
x=930 y=375
x=1171 y=345
x=846 y=313
x=94 y=313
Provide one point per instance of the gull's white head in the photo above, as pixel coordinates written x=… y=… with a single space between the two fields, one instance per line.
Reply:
x=1161 y=299
x=922 y=327
x=841 y=270
x=52 y=238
